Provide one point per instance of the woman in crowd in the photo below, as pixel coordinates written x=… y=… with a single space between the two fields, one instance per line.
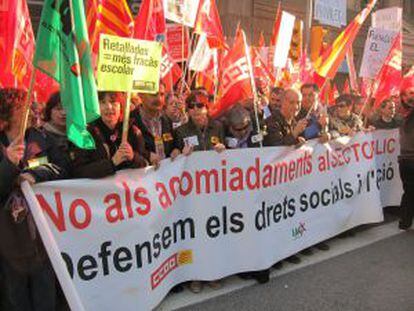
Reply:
x=28 y=278
x=111 y=153
x=200 y=133
x=175 y=109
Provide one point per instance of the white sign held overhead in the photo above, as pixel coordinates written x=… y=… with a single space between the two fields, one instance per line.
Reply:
x=330 y=12
x=182 y=12
x=377 y=47
x=390 y=19
x=283 y=40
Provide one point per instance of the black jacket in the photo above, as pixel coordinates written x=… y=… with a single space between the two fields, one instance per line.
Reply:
x=206 y=139
x=166 y=129
x=16 y=244
x=98 y=163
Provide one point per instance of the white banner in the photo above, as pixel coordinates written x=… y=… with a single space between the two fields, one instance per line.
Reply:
x=377 y=48
x=182 y=12
x=128 y=239
x=284 y=39
x=202 y=55
x=389 y=18
x=331 y=12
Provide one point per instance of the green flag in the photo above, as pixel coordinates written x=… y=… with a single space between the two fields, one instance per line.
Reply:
x=63 y=52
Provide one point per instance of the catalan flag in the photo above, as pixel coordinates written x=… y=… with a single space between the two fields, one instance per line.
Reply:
x=111 y=17
x=328 y=63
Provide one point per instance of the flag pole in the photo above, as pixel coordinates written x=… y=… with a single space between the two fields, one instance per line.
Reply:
x=186 y=65
x=255 y=99
x=125 y=124
x=26 y=109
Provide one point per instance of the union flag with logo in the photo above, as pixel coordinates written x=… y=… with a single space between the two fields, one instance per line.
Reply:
x=236 y=80
x=389 y=79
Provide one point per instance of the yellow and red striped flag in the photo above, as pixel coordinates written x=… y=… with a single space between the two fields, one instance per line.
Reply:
x=326 y=66
x=111 y=17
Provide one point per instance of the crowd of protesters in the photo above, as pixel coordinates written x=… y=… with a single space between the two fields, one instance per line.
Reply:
x=164 y=125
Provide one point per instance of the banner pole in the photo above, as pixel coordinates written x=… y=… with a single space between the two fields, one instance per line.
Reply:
x=52 y=249
x=253 y=85
x=26 y=108
x=125 y=124
x=186 y=64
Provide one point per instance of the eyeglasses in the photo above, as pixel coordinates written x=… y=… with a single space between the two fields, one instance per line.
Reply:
x=241 y=129
x=193 y=105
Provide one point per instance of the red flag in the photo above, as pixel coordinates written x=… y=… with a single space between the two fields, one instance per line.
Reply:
x=276 y=26
x=260 y=70
x=17 y=47
x=16 y=44
x=334 y=93
x=366 y=87
x=208 y=22
x=236 y=79
x=328 y=63
x=109 y=17
x=262 y=41
x=150 y=21
x=306 y=68
x=170 y=71
x=346 y=89
x=325 y=93
x=388 y=81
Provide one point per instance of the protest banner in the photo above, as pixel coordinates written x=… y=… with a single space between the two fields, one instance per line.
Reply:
x=127 y=65
x=389 y=18
x=182 y=12
x=330 y=12
x=177 y=49
x=377 y=47
x=128 y=239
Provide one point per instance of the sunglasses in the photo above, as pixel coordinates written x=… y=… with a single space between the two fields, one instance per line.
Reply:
x=194 y=105
x=241 y=129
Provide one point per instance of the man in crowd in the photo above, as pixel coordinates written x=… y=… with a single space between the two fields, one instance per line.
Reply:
x=156 y=128
x=282 y=127
x=386 y=117
x=275 y=101
x=317 y=116
x=406 y=158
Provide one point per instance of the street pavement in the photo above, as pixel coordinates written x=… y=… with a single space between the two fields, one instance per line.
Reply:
x=374 y=270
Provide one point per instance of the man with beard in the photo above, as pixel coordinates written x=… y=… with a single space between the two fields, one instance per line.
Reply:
x=406 y=158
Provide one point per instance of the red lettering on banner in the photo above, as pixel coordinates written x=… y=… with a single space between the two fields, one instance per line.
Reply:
x=57 y=219
x=72 y=214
